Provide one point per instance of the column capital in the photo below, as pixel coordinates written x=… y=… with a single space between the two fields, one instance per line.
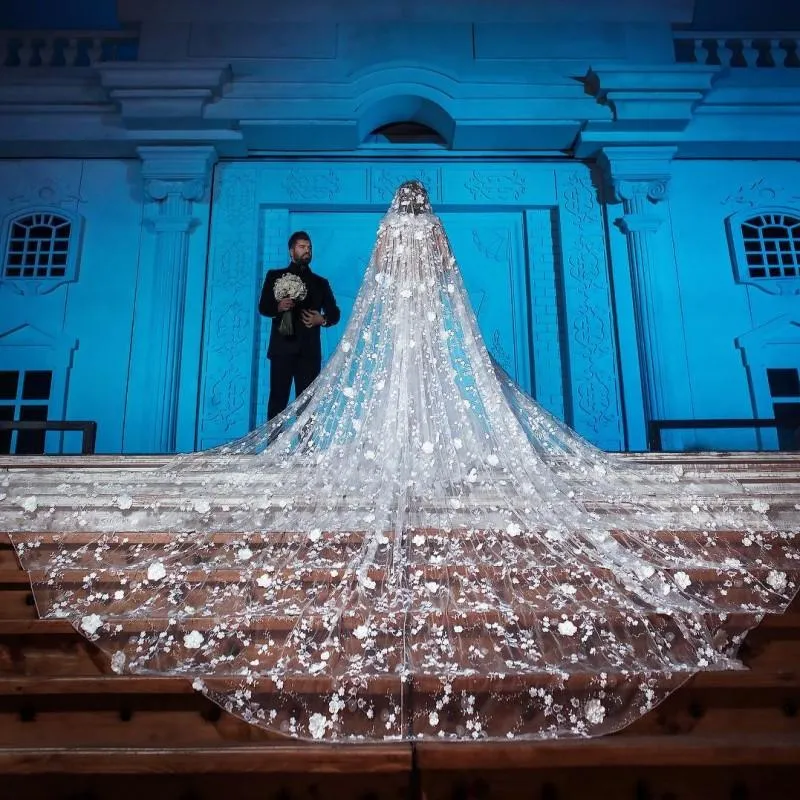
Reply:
x=637 y=173
x=184 y=172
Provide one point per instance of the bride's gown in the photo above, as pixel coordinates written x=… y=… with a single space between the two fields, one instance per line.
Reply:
x=414 y=548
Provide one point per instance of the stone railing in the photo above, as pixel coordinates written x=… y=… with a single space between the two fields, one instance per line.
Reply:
x=738 y=50
x=66 y=48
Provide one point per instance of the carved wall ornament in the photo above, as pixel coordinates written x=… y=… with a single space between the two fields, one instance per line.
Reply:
x=230 y=316
x=760 y=193
x=302 y=184
x=633 y=191
x=503 y=186
x=384 y=182
x=49 y=192
x=498 y=351
x=226 y=401
x=158 y=189
x=589 y=315
x=494 y=244
x=579 y=198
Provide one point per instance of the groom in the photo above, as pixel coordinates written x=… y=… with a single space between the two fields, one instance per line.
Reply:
x=297 y=357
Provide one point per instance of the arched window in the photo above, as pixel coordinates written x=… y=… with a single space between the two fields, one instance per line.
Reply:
x=406 y=133
x=39 y=245
x=766 y=246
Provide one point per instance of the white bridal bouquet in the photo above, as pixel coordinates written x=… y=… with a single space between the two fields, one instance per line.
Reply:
x=291 y=286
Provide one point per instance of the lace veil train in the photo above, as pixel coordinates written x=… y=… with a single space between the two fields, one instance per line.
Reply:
x=414 y=548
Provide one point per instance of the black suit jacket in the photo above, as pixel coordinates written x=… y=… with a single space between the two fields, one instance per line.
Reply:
x=306 y=341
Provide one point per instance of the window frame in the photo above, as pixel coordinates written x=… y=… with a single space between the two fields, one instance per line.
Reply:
x=781 y=284
x=73 y=245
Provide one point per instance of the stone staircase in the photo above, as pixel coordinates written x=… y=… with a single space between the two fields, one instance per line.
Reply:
x=71 y=728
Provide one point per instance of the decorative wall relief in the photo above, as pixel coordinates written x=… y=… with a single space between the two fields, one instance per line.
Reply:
x=545 y=289
x=496 y=186
x=25 y=188
x=384 y=182
x=303 y=184
x=592 y=356
x=760 y=193
x=493 y=243
x=498 y=351
x=230 y=315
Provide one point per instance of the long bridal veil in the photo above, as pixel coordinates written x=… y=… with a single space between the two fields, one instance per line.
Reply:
x=414 y=548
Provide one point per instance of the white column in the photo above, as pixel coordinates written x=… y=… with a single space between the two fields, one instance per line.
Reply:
x=639 y=177
x=175 y=178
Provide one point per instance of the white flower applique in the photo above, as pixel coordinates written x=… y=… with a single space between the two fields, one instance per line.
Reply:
x=317 y=725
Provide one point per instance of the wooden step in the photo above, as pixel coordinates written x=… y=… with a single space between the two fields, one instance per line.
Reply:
x=26 y=686
x=393 y=758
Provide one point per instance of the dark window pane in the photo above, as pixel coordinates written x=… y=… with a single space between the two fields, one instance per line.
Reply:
x=36 y=385
x=756 y=260
x=758 y=272
x=788 y=415
x=775 y=232
x=9 y=380
x=6 y=415
x=784 y=382
x=31 y=442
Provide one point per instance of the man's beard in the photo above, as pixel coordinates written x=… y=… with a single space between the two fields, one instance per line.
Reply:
x=302 y=261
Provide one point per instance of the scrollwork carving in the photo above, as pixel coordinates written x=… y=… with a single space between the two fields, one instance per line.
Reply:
x=501 y=186
x=592 y=349
x=301 y=184
x=494 y=243
x=384 y=182
x=760 y=193
x=632 y=191
x=192 y=190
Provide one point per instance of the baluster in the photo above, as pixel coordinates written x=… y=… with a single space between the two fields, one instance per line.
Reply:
x=702 y=52
x=71 y=52
x=26 y=52
x=95 y=50
x=750 y=52
x=775 y=46
x=727 y=51
x=47 y=50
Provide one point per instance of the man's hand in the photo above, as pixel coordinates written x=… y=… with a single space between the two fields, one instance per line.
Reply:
x=286 y=304
x=312 y=319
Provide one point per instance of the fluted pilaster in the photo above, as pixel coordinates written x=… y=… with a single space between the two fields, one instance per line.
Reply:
x=175 y=179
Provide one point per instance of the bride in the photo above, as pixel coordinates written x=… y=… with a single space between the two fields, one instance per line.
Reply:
x=414 y=548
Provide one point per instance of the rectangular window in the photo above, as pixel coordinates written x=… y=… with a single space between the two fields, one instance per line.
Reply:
x=24 y=397
x=788 y=416
x=784 y=382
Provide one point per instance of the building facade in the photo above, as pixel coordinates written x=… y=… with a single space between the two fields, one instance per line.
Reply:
x=622 y=192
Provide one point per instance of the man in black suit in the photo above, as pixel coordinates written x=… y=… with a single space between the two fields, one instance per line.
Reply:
x=297 y=357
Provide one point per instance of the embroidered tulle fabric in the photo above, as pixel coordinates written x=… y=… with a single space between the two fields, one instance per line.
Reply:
x=413 y=549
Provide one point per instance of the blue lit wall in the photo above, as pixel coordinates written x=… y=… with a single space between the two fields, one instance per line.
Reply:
x=537 y=232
